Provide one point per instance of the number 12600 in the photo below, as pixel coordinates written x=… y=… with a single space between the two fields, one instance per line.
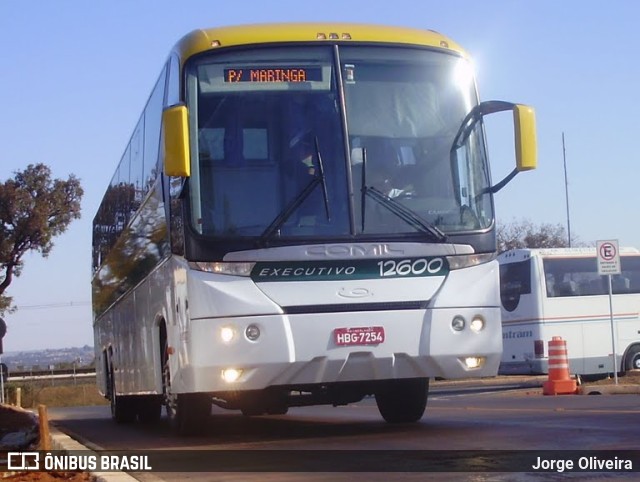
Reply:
x=410 y=267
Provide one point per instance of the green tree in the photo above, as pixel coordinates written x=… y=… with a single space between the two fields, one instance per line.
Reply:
x=525 y=234
x=34 y=209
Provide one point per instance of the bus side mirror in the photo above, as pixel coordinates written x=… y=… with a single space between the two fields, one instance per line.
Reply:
x=524 y=120
x=524 y=125
x=175 y=130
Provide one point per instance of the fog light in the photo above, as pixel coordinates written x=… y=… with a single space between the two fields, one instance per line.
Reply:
x=477 y=324
x=231 y=375
x=227 y=333
x=474 y=362
x=252 y=332
x=458 y=323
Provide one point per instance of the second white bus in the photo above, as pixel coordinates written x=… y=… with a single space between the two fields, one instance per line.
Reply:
x=558 y=292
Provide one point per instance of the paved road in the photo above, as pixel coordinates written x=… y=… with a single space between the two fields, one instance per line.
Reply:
x=458 y=418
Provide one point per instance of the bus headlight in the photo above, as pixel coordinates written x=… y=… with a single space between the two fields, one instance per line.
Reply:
x=461 y=261
x=231 y=375
x=233 y=269
x=227 y=333
x=458 y=323
x=472 y=362
x=477 y=324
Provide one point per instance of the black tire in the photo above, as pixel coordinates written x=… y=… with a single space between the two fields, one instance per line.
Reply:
x=402 y=401
x=123 y=408
x=149 y=408
x=187 y=412
x=192 y=410
x=632 y=358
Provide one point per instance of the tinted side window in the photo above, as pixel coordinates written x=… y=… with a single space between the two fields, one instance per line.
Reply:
x=152 y=124
x=136 y=170
x=579 y=277
x=173 y=86
x=515 y=280
x=566 y=277
x=629 y=280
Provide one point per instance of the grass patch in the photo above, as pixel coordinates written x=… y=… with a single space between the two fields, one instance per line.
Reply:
x=38 y=392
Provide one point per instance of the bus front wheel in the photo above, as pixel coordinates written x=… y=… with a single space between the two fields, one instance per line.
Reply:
x=190 y=413
x=402 y=401
x=187 y=412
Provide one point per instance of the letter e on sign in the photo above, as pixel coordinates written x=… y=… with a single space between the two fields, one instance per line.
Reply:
x=608 y=257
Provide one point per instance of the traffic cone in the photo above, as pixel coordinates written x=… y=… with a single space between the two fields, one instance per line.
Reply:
x=559 y=381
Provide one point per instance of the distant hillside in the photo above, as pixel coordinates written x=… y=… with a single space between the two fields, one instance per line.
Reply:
x=42 y=360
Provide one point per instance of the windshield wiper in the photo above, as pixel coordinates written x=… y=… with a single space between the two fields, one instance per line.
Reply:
x=325 y=196
x=407 y=215
x=297 y=201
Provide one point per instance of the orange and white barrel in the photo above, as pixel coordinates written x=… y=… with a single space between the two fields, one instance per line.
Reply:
x=559 y=381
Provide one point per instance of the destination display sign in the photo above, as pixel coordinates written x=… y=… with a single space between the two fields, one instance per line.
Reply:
x=272 y=74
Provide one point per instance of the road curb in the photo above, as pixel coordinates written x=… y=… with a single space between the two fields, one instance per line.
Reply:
x=622 y=389
x=536 y=381
x=62 y=441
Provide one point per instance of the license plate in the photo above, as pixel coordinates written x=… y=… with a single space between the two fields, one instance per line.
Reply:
x=370 y=335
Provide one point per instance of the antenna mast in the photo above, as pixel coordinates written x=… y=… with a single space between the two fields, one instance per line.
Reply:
x=566 y=190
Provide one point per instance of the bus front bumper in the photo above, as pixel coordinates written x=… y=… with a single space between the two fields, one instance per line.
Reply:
x=302 y=349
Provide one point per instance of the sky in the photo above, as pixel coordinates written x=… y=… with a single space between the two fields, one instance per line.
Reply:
x=75 y=75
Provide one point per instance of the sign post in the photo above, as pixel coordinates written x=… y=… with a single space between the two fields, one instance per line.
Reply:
x=3 y=331
x=609 y=264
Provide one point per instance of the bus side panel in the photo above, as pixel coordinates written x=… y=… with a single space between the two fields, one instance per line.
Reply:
x=124 y=333
x=584 y=323
x=127 y=338
x=161 y=312
x=101 y=345
x=149 y=309
x=596 y=332
x=177 y=318
x=518 y=355
x=627 y=314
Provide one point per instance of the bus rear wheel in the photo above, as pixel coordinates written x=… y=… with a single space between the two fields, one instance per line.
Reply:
x=402 y=401
x=632 y=359
x=149 y=408
x=123 y=408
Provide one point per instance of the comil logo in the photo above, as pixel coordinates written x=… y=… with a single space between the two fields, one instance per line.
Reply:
x=23 y=461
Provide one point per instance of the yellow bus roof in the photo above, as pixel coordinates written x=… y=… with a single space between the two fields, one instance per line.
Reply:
x=211 y=39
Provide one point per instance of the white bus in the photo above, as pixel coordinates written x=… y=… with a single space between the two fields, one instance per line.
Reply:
x=558 y=292
x=314 y=225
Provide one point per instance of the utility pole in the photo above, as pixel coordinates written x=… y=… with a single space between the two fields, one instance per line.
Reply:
x=566 y=190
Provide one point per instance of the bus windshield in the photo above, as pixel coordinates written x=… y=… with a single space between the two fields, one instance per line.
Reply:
x=269 y=123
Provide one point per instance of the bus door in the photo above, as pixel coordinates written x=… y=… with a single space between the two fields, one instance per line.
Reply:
x=520 y=313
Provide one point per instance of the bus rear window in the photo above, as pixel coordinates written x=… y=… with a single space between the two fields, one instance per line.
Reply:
x=515 y=280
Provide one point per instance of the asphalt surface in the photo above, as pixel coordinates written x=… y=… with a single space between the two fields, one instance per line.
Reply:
x=506 y=384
